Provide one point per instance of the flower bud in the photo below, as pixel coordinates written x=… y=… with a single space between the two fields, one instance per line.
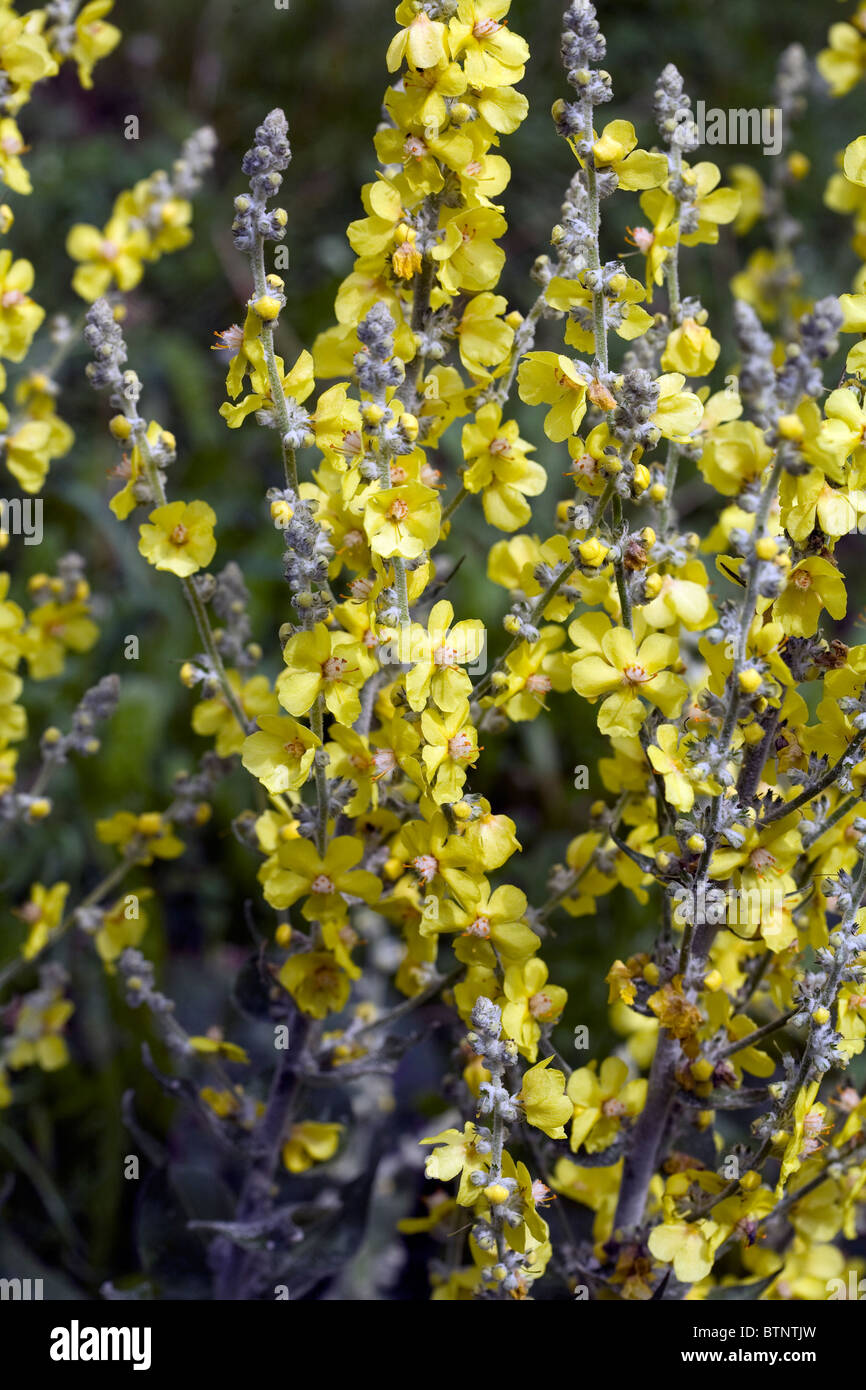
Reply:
x=120 y=427
x=749 y=680
x=267 y=307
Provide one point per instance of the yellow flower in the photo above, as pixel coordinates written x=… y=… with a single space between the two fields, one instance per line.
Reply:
x=734 y=454
x=437 y=652
x=208 y=1046
x=807 y=1128
x=533 y=670
x=483 y=337
x=457 y=1153
x=54 y=628
x=655 y=244
x=559 y=382
x=493 y=56
x=497 y=917
x=153 y=836
x=311 y=1142
x=281 y=754
x=467 y=255
x=843 y=64
x=93 y=38
x=610 y=663
x=854 y=161
x=24 y=57
x=20 y=316
x=769 y=277
x=179 y=538
x=296 y=870
x=545 y=1103
x=132 y=467
x=689 y=1247
x=321 y=662
x=121 y=926
x=668 y=758
x=42 y=913
x=421 y=153
x=499 y=468
x=691 y=349
x=297 y=384
x=673 y=1011
x=12 y=147
x=622 y=311
x=112 y=255
x=531 y=1001
x=316 y=982
x=450 y=747
x=37 y=1041
x=678 y=412
x=753 y=194
x=714 y=206
x=421 y=42
x=215 y=718
x=812 y=585
x=31 y=446
x=402 y=520
x=615 y=149
x=600 y=1101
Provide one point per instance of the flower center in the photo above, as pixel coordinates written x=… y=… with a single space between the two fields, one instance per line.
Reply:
x=802 y=579
x=108 y=250
x=499 y=446
x=480 y=927
x=540 y=1005
x=361 y=588
x=761 y=859
x=384 y=761
x=642 y=238
x=180 y=535
x=634 y=674
x=414 y=147
x=11 y=298
x=398 y=510
x=295 y=749
x=484 y=28
x=231 y=337
x=326 y=979
x=613 y=1108
x=568 y=382
x=426 y=867
x=460 y=747
x=445 y=655
x=333 y=668
x=322 y=884
x=352 y=443
x=538 y=684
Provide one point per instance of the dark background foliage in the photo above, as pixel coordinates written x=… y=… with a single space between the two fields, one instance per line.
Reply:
x=227 y=63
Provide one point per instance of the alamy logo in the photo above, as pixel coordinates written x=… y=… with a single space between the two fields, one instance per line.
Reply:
x=738 y=126
x=76 y=1343
x=734 y=907
x=22 y=516
x=20 y=1290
